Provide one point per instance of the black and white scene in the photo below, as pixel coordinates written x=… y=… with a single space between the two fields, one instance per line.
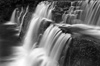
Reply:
x=49 y=33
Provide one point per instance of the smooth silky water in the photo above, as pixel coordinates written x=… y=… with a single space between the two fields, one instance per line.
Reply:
x=48 y=50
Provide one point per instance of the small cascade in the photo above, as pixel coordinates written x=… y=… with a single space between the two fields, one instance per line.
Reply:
x=55 y=53
x=20 y=14
x=22 y=19
x=13 y=18
x=49 y=41
x=90 y=14
x=46 y=33
x=42 y=9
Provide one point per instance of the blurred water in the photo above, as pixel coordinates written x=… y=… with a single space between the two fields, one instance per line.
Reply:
x=46 y=50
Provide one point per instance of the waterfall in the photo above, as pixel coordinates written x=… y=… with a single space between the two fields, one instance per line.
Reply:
x=44 y=45
x=13 y=18
x=50 y=48
x=22 y=19
x=32 y=34
x=51 y=44
x=90 y=14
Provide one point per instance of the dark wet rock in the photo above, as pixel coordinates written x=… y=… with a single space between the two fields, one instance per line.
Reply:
x=83 y=51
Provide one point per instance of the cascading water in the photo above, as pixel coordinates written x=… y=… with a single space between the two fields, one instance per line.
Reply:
x=52 y=42
x=12 y=20
x=48 y=46
x=32 y=34
x=45 y=54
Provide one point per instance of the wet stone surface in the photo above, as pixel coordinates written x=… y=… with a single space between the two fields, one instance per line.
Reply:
x=84 y=52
